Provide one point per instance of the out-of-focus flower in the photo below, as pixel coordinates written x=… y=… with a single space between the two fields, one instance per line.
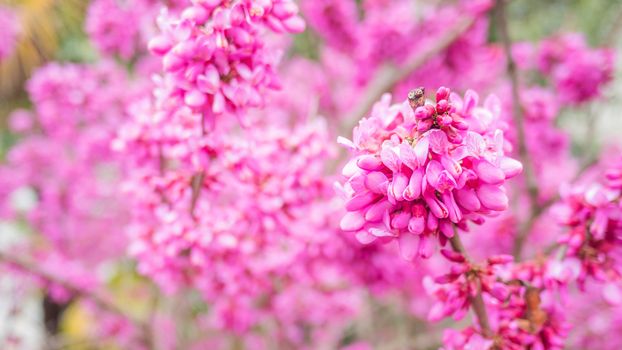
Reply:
x=214 y=59
x=592 y=212
x=579 y=73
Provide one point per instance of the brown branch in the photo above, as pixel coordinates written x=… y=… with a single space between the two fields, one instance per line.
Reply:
x=196 y=184
x=477 y=301
x=525 y=228
x=519 y=119
x=99 y=300
x=389 y=75
x=613 y=33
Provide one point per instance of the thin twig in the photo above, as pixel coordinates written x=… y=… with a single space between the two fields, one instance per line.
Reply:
x=389 y=75
x=477 y=301
x=519 y=119
x=196 y=184
x=150 y=330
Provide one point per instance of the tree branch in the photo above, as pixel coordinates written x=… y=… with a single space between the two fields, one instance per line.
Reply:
x=389 y=75
x=196 y=183
x=519 y=119
x=613 y=33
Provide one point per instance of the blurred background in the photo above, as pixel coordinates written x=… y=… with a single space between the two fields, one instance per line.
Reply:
x=52 y=30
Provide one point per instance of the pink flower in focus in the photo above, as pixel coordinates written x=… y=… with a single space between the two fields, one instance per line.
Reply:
x=419 y=171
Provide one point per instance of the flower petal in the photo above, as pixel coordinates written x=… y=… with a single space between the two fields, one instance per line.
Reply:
x=352 y=221
x=407 y=243
x=492 y=197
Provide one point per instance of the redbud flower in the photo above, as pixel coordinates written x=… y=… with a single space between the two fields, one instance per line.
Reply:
x=592 y=212
x=417 y=173
x=115 y=26
x=214 y=59
x=578 y=71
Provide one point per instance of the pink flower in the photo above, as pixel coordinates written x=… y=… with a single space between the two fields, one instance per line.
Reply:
x=592 y=212
x=335 y=21
x=417 y=173
x=115 y=26
x=579 y=72
x=215 y=61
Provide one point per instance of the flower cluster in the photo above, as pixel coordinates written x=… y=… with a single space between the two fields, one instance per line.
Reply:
x=520 y=299
x=421 y=168
x=215 y=61
x=575 y=74
x=251 y=235
x=578 y=72
x=65 y=159
x=120 y=27
x=454 y=291
x=591 y=210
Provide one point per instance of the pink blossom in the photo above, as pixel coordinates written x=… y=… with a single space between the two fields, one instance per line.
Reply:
x=214 y=59
x=591 y=211
x=124 y=27
x=65 y=158
x=335 y=21
x=419 y=172
x=578 y=72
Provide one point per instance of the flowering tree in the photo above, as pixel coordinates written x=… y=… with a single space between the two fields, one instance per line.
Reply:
x=182 y=191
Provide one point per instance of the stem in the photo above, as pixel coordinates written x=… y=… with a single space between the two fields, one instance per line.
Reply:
x=614 y=31
x=52 y=314
x=389 y=75
x=519 y=119
x=196 y=184
x=477 y=301
x=99 y=300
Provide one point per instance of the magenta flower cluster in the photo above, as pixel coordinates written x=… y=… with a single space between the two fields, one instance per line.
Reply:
x=422 y=169
x=578 y=72
x=214 y=60
x=592 y=211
